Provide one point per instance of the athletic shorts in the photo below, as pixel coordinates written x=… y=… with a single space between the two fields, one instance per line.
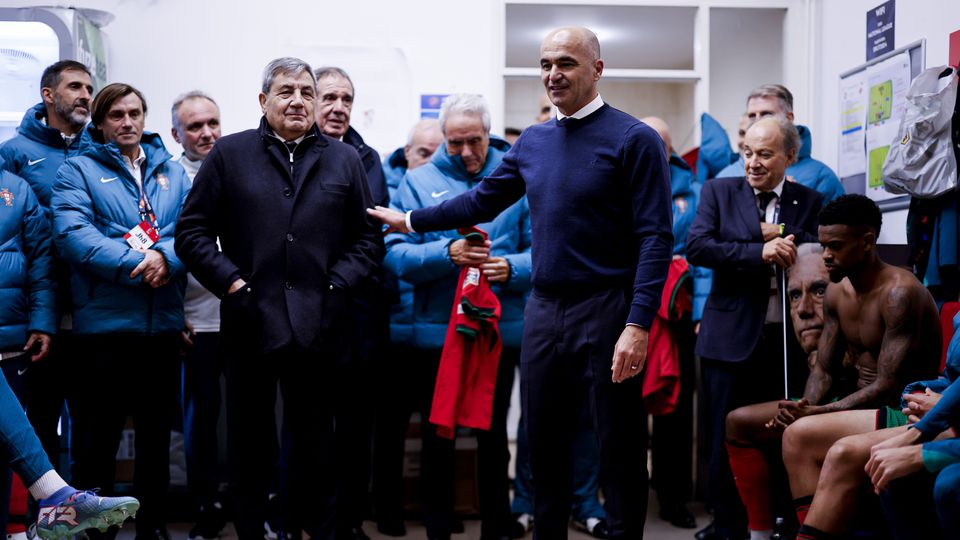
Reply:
x=888 y=418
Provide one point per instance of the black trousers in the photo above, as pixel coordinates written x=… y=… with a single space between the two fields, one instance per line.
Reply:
x=567 y=343
x=307 y=448
x=727 y=386
x=202 y=368
x=48 y=383
x=15 y=371
x=368 y=350
x=398 y=377
x=124 y=375
x=672 y=441
x=438 y=458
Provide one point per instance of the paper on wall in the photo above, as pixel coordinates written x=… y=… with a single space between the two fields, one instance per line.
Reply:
x=887 y=85
x=853 y=124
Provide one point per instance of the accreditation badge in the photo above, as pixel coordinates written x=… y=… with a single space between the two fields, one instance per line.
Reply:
x=142 y=236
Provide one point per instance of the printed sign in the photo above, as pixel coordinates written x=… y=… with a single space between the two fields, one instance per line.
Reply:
x=880 y=29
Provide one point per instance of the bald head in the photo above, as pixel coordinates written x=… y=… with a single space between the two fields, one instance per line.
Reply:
x=423 y=140
x=579 y=35
x=570 y=67
x=662 y=128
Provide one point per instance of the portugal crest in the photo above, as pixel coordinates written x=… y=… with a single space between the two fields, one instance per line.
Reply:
x=6 y=196
x=163 y=181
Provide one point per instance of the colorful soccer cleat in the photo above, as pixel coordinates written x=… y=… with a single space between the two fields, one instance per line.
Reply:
x=70 y=511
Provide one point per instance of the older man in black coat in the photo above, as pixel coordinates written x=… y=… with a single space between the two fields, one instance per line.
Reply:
x=743 y=229
x=287 y=204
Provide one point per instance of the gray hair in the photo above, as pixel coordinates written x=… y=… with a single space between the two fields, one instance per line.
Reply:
x=809 y=248
x=789 y=136
x=193 y=94
x=333 y=71
x=470 y=104
x=422 y=125
x=284 y=66
x=778 y=91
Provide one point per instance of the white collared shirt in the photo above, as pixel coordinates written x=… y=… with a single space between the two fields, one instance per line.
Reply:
x=772 y=205
x=584 y=111
x=774 y=305
x=134 y=166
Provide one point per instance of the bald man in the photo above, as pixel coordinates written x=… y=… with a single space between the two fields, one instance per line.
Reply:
x=598 y=186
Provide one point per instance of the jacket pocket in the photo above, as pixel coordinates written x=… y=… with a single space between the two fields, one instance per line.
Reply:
x=238 y=313
x=335 y=301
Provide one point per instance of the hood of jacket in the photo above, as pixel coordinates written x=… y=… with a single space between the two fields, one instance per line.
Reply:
x=395 y=167
x=806 y=143
x=453 y=167
x=33 y=127
x=109 y=153
x=681 y=177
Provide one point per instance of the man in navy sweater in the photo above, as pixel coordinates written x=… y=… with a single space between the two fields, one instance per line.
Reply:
x=598 y=186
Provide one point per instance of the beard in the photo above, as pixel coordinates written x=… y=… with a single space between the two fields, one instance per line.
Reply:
x=70 y=114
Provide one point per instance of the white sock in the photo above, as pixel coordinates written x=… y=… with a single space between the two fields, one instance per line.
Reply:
x=761 y=535
x=47 y=485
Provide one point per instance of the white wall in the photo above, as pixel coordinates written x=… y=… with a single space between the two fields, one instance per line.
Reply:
x=165 y=48
x=425 y=46
x=842 y=45
x=746 y=50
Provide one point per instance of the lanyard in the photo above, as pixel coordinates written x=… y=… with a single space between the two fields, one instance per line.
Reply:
x=146 y=210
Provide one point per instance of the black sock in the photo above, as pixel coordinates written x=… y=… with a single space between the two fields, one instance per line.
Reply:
x=807 y=532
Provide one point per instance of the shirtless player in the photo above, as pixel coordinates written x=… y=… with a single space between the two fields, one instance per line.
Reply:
x=887 y=321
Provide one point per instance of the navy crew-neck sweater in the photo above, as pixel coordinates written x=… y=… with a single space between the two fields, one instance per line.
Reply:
x=599 y=196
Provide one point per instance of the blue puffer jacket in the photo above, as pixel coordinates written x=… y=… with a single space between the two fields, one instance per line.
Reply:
x=715 y=153
x=682 y=181
x=27 y=301
x=807 y=171
x=714 y=156
x=94 y=205
x=37 y=152
x=394 y=168
x=423 y=259
x=401 y=313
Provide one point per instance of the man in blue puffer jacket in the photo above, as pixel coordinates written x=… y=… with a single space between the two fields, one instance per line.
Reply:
x=115 y=209
x=50 y=132
x=28 y=313
x=431 y=263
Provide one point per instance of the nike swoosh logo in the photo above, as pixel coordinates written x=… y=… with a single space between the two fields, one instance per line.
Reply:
x=22 y=371
x=35 y=161
x=438 y=194
x=105 y=180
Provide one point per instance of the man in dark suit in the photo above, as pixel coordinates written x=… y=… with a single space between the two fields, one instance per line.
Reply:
x=287 y=204
x=744 y=229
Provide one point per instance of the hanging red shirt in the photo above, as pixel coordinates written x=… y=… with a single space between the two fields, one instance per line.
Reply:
x=463 y=395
